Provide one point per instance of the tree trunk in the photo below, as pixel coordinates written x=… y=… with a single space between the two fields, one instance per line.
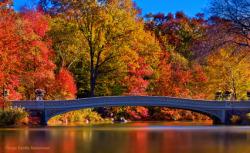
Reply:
x=92 y=72
x=3 y=96
x=92 y=88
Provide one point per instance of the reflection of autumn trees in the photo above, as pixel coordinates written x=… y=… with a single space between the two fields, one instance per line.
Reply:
x=141 y=142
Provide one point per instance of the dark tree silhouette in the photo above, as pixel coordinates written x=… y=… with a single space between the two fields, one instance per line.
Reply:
x=235 y=14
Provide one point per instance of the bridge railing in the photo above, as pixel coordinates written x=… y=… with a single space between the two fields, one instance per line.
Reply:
x=24 y=103
x=240 y=103
x=132 y=100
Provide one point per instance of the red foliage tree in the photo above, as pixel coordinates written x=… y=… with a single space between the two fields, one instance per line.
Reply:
x=37 y=64
x=25 y=55
x=135 y=82
x=198 y=82
x=9 y=50
x=136 y=113
x=65 y=85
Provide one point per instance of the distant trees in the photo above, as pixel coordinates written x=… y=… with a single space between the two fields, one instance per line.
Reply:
x=177 y=73
x=178 y=31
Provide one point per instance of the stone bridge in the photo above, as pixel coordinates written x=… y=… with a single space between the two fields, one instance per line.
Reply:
x=219 y=111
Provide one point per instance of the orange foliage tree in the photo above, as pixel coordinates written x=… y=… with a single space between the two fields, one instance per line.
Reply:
x=65 y=87
x=36 y=63
x=26 y=55
x=9 y=51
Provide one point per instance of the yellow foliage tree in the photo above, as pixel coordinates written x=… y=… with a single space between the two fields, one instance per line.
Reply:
x=228 y=68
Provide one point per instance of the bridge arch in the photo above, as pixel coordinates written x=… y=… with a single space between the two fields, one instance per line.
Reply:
x=214 y=115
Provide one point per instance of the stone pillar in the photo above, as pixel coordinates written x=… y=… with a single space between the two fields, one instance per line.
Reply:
x=43 y=117
x=41 y=113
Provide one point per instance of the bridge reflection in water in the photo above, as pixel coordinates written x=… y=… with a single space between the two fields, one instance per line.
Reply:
x=219 y=111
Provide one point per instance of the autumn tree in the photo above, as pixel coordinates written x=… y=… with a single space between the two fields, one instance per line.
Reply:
x=65 y=87
x=142 y=58
x=106 y=27
x=68 y=42
x=235 y=15
x=9 y=51
x=172 y=80
x=228 y=68
x=177 y=72
x=177 y=30
x=36 y=53
x=26 y=56
x=216 y=38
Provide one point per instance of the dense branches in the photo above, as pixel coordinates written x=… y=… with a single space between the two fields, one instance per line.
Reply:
x=235 y=15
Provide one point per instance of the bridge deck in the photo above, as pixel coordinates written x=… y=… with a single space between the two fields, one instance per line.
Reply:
x=130 y=101
x=218 y=110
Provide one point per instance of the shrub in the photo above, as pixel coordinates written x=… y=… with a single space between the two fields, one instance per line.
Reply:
x=12 y=116
x=235 y=119
x=77 y=116
x=71 y=118
x=34 y=121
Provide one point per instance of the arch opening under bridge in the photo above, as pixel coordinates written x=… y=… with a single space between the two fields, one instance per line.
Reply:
x=214 y=117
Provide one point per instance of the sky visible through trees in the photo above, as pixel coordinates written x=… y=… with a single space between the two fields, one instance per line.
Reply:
x=189 y=7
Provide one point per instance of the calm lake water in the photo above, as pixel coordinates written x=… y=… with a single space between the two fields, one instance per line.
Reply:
x=134 y=137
